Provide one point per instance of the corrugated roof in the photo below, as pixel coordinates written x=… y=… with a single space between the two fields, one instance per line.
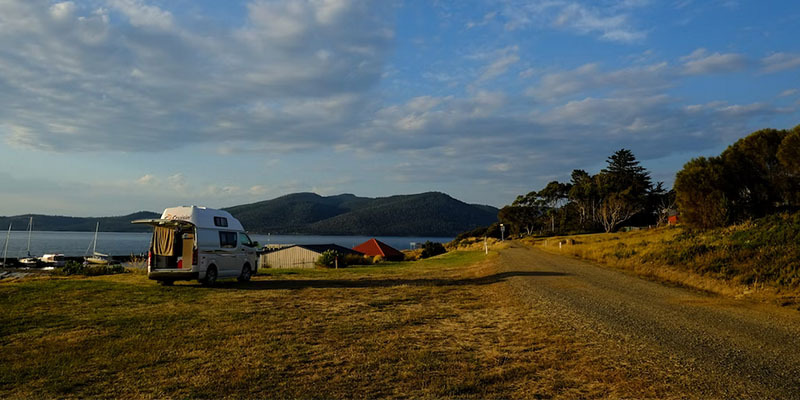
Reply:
x=320 y=248
x=375 y=247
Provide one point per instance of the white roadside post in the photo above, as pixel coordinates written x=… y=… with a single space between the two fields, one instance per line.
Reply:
x=485 y=246
x=502 y=232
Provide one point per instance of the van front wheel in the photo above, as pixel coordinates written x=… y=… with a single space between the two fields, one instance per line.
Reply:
x=247 y=273
x=211 y=276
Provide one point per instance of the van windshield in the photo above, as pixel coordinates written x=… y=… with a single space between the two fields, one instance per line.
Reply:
x=245 y=240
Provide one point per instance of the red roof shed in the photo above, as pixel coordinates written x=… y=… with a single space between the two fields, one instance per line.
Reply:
x=375 y=247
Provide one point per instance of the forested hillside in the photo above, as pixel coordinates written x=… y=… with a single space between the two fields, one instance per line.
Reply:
x=78 y=224
x=424 y=214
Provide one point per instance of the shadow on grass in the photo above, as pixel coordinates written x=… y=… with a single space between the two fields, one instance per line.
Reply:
x=377 y=283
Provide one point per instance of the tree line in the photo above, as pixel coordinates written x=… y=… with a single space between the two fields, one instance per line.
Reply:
x=757 y=176
x=621 y=192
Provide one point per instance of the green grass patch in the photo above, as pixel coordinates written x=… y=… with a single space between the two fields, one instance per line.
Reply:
x=444 y=261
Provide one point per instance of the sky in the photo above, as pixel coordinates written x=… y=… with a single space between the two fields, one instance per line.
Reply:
x=113 y=106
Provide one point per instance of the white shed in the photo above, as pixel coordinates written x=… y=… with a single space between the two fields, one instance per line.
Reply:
x=299 y=255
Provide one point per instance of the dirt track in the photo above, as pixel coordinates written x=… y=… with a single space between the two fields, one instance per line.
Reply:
x=702 y=344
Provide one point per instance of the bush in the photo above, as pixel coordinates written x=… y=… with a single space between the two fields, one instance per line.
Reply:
x=430 y=249
x=356 y=259
x=327 y=259
x=377 y=259
x=76 y=268
x=411 y=255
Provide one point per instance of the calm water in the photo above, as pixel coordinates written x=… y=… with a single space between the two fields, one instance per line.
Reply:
x=75 y=244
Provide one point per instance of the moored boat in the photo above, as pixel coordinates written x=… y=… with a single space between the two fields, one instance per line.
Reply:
x=29 y=260
x=53 y=260
x=96 y=258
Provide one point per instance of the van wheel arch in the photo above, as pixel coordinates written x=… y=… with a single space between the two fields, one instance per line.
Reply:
x=211 y=275
x=247 y=273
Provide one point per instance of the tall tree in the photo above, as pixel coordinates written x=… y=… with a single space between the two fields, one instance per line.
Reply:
x=753 y=162
x=554 y=196
x=789 y=152
x=583 y=193
x=623 y=186
x=701 y=193
x=523 y=213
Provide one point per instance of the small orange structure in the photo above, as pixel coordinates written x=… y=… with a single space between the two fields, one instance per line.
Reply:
x=375 y=247
x=672 y=218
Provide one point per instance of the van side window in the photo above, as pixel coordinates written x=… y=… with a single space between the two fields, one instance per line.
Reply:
x=220 y=221
x=227 y=239
x=244 y=240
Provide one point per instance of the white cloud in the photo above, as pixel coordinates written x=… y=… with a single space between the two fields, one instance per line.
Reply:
x=143 y=15
x=146 y=179
x=72 y=80
x=701 y=62
x=500 y=167
x=788 y=92
x=611 y=22
x=62 y=11
x=488 y=17
x=503 y=59
x=780 y=62
x=590 y=77
x=257 y=190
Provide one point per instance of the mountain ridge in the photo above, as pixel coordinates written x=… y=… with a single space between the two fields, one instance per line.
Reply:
x=307 y=213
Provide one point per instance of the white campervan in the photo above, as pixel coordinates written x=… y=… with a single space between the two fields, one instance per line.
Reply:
x=200 y=243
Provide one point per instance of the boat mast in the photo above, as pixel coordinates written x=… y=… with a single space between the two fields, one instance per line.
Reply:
x=30 y=228
x=5 y=248
x=94 y=249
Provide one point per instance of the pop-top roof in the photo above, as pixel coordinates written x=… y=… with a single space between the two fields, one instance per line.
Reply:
x=375 y=247
x=203 y=217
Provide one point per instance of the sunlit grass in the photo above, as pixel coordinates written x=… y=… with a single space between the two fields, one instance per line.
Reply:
x=761 y=256
x=442 y=327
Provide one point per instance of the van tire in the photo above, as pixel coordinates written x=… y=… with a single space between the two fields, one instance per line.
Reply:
x=211 y=276
x=247 y=273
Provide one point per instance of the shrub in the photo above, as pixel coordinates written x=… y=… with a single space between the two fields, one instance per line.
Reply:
x=76 y=268
x=430 y=249
x=411 y=255
x=377 y=259
x=356 y=259
x=327 y=259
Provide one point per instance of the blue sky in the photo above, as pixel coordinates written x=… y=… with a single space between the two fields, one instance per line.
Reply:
x=113 y=106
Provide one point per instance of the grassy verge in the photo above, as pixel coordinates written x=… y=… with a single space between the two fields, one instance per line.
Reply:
x=758 y=259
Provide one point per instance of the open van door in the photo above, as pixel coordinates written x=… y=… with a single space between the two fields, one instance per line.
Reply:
x=172 y=249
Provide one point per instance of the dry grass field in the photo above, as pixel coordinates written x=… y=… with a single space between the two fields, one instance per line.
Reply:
x=443 y=327
x=759 y=259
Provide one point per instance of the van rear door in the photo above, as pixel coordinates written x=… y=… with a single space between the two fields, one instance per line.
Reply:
x=172 y=243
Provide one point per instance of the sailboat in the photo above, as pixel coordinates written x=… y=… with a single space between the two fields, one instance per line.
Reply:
x=96 y=258
x=29 y=261
x=5 y=247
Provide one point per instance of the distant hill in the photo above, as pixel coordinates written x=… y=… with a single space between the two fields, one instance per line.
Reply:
x=60 y=223
x=424 y=214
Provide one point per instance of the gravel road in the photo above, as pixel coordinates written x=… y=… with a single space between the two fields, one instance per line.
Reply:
x=710 y=346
